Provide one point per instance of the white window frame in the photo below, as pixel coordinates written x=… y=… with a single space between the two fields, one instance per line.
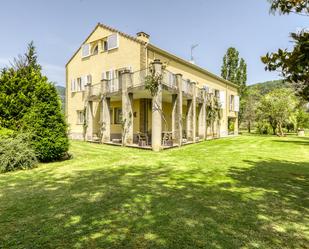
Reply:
x=236 y=103
x=232 y=100
x=88 y=79
x=222 y=96
x=84 y=55
x=79 y=83
x=108 y=41
x=80 y=117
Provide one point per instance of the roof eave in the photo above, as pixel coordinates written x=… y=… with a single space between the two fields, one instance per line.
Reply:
x=151 y=46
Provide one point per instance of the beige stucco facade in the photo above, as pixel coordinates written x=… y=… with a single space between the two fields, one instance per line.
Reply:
x=107 y=100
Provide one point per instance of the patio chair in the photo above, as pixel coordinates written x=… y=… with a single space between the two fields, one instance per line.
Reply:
x=142 y=139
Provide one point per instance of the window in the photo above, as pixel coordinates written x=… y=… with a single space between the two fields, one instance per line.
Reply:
x=231 y=102
x=80 y=117
x=95 y=50
x=222 y=99
x=79 y=84
x=112 y=41
x=105 y=46
x=107 y=75
x=73 y=85
x=236 y=103
x=85 y=50
x=217 y=92
x=89 y=79
x=117 y=115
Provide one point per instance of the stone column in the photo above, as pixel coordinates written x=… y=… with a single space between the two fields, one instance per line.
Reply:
x=89 y=117
x=104 y=86
x=202 y=117
x=156 y=134
x=127 y=107
x=177 y=112
x=194 y=91
x=106 y=120
x=189 y=119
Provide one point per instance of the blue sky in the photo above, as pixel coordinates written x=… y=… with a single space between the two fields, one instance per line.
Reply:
x=59 y=27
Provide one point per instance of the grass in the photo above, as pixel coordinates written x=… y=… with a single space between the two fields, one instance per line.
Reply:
x=242 y=192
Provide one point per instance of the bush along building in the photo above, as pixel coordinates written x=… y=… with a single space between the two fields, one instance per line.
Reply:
x=124 y=90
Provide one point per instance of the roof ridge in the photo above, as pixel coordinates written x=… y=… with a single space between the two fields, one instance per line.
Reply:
x=121 y=33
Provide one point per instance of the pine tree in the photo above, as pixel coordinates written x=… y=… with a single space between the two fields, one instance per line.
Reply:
x=29 y=102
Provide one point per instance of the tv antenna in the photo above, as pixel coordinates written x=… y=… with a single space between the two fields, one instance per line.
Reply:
x=192 y=48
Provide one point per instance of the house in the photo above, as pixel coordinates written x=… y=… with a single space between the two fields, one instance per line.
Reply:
x=108 y=101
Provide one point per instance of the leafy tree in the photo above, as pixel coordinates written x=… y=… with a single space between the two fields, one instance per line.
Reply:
x=276 y=107
x=250 y=102
x=302 y=118
x=213 y=113
x=290 y=6
x=235 y=70
x=293 y=65
x=230 y=65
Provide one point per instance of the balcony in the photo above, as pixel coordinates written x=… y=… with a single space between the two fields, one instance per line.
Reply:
x=114 y=86
x=187 y=87
x=169 y=80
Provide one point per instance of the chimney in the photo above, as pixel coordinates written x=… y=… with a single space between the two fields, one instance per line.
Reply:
x=143 y=36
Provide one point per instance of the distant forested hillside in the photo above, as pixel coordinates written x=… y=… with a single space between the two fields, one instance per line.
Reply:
x=61 y=91
x=268 y=86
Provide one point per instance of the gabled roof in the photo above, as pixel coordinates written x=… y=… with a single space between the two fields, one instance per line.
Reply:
x=153 y=47
x=110 y=29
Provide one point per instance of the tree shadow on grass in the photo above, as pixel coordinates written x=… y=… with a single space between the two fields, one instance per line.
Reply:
x=296 y=142
x=262 y=206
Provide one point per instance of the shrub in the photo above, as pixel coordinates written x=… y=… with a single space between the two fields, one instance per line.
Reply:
x=4 y=132
x=264 y=128
x=46 y=123
x=16 y=153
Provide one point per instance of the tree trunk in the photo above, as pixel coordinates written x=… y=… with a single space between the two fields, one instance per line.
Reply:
x=280 y=129
x=249 y=127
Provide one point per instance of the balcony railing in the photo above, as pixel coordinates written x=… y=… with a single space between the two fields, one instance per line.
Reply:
x=95 y=90
x=186 y=86
x=169 y=79
x=113 y=85
x=139 y=77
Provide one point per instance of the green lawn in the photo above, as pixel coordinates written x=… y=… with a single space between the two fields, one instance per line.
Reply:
x=242 y=192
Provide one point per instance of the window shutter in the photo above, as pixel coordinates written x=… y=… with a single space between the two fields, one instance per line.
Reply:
x=222 y=99
x=85 y=50
x=236 y=103
x=113 y=41
x=103 y=76
x=88 y=79
x=74 y=85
